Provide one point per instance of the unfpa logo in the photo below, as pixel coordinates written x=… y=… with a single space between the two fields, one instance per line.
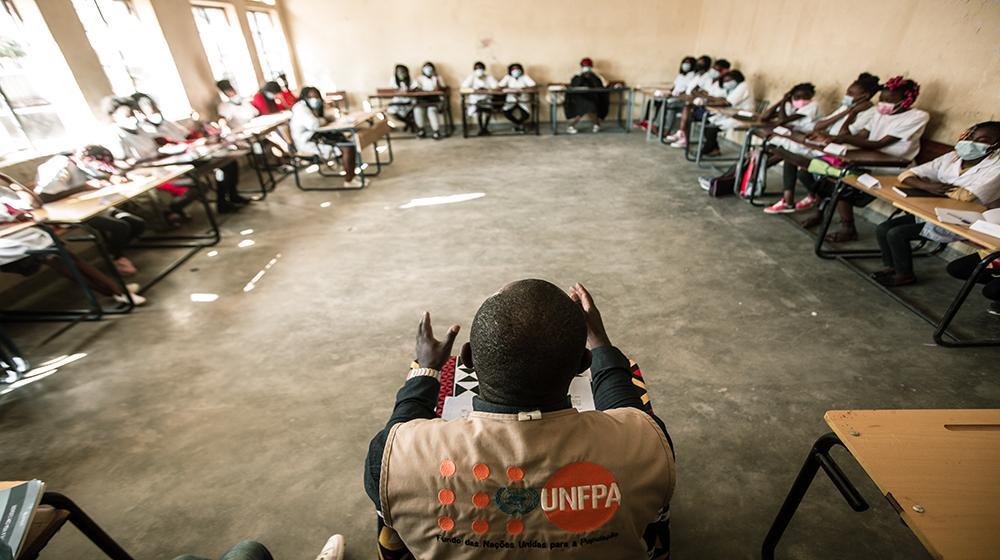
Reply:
x=581 y=497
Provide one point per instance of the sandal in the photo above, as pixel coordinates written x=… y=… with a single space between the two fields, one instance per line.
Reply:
x=843 y=236
x=885 y=272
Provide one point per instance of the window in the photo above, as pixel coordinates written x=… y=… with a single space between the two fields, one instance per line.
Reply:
x=272 y=48
x=226 y=49
x=133 y=52
x=40 y=102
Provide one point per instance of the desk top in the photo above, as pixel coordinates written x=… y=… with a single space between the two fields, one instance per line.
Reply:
x=498 y=91
x=383 y=92
x=873 y=158
x=663 y=89
x=923 y=207
x=263 y=123
x=85 y=205
x=348 y=121
x=942 y=467
x=13 y=227
x=606 y=89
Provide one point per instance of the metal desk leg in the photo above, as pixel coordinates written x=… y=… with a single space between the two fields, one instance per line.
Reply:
x=465 y=125
x=90 y=234
x=536 y=108
x=552 y=117
x=819 y=457
x=828 y=214
x=87 y=526
x=956 y=304
x=741 y=160
x=628 y=112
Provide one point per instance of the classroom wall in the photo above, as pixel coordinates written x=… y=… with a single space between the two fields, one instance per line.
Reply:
x=950 y=46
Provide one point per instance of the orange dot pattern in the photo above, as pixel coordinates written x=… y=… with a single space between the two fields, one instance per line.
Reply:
x=481 y=471
x=446 y=497
x=447 y=468
x=480 y=526
x=480 y=499
x=515 y=527
x=515 y=474
x=446 y=523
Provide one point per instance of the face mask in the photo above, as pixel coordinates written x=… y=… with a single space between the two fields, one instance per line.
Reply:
x=800 y=103
x=585 y=69
x=480 y=72
x=314 y=102
x=847 y=101
x=130 y=123
x=155 y=118
x=428 y=71
x=686 y=67
x=730 y=85
x=969 y=150
x=268 y=95
x=516 y=73
x=885 y=108
x=237 y=99
x=713 y=73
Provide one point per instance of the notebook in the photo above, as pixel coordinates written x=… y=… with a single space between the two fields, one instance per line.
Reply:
x=18 y=502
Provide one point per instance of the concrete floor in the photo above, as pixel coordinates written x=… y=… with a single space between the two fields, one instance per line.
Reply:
x=189 y=426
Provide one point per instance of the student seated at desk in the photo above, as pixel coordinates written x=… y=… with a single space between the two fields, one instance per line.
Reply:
x=685 y=74
x=90 y=168
x=401 y=107
x=480 y=105
x=516 y=107
x=428 y=108
x=736 y=93
x=308 y=116
x=895 y=130
x=707 y=84
x=266 y=99
x=236 y=111
x=505 y=471
x=142 y=135
x=854 y=114
x=971 y=173
x=19 y=251
x=592 y=105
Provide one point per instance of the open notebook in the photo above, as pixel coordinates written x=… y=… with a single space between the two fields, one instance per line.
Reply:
x=18 y=502
x=987 y=222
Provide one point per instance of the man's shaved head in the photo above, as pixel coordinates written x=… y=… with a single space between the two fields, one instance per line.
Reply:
x=528 y=341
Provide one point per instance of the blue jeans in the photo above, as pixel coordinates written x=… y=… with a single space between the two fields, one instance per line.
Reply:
x=246 y=550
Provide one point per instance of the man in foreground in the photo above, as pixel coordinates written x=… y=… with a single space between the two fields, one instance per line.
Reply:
x=525 y=474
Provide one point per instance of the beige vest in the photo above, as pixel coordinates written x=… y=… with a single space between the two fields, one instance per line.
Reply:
x=493 y=485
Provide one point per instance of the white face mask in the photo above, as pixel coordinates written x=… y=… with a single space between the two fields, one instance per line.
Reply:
x=480 y=72
x=155 y=118
x=847 y=101
x=268 y=95
x=730 y=85
x=428 y=71
x=586 y=69
x=237 y=99
x=516 y=73
x=686 y=67
x=314 y=102
x=713 y=73
x=129 y=122
x=969 y=150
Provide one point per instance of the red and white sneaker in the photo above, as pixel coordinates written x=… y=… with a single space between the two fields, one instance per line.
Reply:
x=807 y=202
x=780 y=207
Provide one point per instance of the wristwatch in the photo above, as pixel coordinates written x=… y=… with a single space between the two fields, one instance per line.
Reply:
x=423 y=372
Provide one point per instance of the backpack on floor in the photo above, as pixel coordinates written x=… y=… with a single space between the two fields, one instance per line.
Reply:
x=722 y=185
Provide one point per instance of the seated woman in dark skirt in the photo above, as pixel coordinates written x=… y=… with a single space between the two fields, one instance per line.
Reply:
x=579 y=105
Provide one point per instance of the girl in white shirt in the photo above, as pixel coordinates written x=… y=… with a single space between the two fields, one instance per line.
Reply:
x=853 y=115
x=308 y=117
x=233 y=108
x=516 y=106
x=428 y=108
x=895 y=130
x=737 y=95
x=480 y=105
x=400 y=106
x=685 y=74
x=970 y=173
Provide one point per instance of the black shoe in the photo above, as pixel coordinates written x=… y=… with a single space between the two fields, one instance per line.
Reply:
x=437 y=135
x=882 y=273
x=237 y=199
x=227 y=208
x=421 y=133
x=483 y=132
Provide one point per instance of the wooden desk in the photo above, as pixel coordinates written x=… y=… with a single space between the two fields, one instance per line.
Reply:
x=13 y=227
x=366 y=128
x=351 y=121
x=497 y=103
x=382 y=94
x=85 y=205
x=940 y=469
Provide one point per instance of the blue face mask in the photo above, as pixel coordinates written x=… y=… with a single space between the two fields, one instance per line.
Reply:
x=713 y=73
x=516 y=73
x=314 y=102
x=847 y=101
x=686 y=67
x=730 y=85
x=969 y=150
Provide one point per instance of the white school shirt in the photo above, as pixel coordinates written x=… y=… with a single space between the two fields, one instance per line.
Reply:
x=138 y=144
x=59 y=174
x=167 y=129
x=510 y=82
x=400 y=105
x=981 y=181
x=423 y=83
x=908 y=126
x=740 y=98
x=706 y=83
x=681 y=82
x=475 y=82
x=861 y=122
x=303 y=125
x=237 y=114
x=807 y=122
x=15 y=246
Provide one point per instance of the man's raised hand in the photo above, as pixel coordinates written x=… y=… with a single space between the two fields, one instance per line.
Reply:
x=596 y=335
x=433 y=353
